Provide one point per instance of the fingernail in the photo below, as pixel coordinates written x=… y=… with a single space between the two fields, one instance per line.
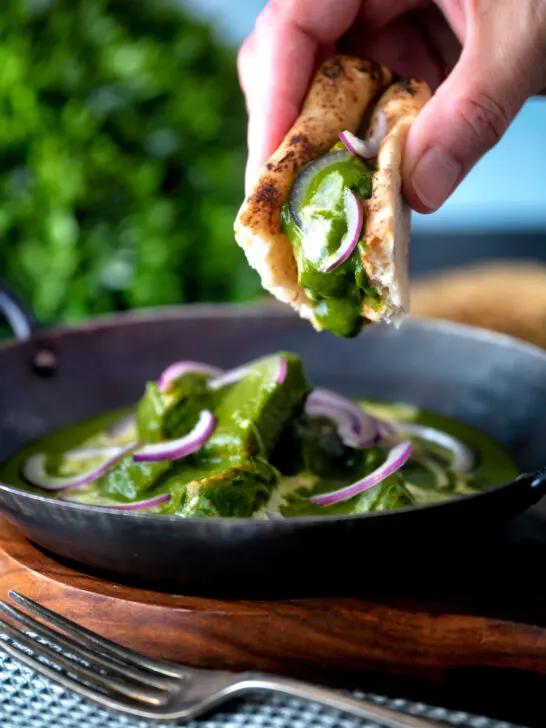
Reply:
x=435 y=176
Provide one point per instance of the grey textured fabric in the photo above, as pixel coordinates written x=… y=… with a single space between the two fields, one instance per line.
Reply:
x=30 y=701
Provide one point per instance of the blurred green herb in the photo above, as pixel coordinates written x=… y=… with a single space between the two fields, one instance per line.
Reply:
x=122 y=143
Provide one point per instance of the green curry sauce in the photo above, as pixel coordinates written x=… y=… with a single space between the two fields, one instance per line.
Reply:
x=338 y=295
x=267 y=455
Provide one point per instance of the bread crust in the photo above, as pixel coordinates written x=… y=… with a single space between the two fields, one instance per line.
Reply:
x=387 y=214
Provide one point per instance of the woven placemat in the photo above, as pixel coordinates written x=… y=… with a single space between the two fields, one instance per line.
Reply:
x=28 y=700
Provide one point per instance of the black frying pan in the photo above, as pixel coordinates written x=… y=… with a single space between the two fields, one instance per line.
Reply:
x=53 y=378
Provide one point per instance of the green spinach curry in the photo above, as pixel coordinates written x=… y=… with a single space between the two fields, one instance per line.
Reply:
x=319 y=221
x=259 y=441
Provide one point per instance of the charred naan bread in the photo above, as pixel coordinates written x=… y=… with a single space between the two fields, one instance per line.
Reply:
x=325 y=225
x=387 y=214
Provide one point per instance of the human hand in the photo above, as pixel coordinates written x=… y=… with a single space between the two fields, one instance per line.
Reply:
x=482 y=58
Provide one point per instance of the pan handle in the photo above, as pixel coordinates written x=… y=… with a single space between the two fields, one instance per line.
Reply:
x=23 y=324
x=19 y=317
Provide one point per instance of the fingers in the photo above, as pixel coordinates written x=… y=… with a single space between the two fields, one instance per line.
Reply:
x=376 y=14
x=419 y=45
x=276 y=64
x=472 y=109
x=274 y=80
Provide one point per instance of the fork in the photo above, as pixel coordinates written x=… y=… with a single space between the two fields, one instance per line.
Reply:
x=120 y=679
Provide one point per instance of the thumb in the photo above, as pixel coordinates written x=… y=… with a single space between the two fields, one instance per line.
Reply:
x=467 y=116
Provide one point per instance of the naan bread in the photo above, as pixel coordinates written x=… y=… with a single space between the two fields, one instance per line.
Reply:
x=387 y=215
x=342 y=94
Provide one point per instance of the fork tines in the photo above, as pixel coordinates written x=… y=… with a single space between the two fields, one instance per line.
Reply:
x=78 y=658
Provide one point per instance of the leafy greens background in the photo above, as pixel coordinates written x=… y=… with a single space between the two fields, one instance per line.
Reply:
x=122 y=146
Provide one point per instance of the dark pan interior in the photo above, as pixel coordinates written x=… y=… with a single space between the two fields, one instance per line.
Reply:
x=486 y=380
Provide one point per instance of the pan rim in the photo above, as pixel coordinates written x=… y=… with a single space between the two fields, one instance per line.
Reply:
x=233 y=523
x=202 y=311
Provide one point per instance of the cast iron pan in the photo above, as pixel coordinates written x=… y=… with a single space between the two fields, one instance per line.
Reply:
x=50 y=379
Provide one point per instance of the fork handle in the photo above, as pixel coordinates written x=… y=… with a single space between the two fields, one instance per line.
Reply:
x=387 y=717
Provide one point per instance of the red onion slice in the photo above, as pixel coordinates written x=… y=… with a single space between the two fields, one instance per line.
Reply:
x=182 y=446
x=366 y=148
x=179 y=368
x=34 y=471
x=87 y=453
x=396 y=458
x=283 y=369
x=234 y=375
x=355 y=219
x=355 y=427
x=229 y=377
x=305 y=178
x=157 y=500
x=463 y=456
x=354 y=144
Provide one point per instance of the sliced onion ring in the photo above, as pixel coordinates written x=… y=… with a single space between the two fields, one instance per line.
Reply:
x=355 y=427
x=303 y=180
x=229 y=377
x=179 y=368
x=283 y=369
x=87 y=453
x=355 y=219
x=182 y=446
x=157 y=500
x=355 y=145
x=366 y=148
x=396 y=458
x=34 y=471
x=463 y=456
x=234 y=375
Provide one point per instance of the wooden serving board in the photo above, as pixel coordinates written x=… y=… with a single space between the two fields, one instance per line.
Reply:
x=352 y=641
